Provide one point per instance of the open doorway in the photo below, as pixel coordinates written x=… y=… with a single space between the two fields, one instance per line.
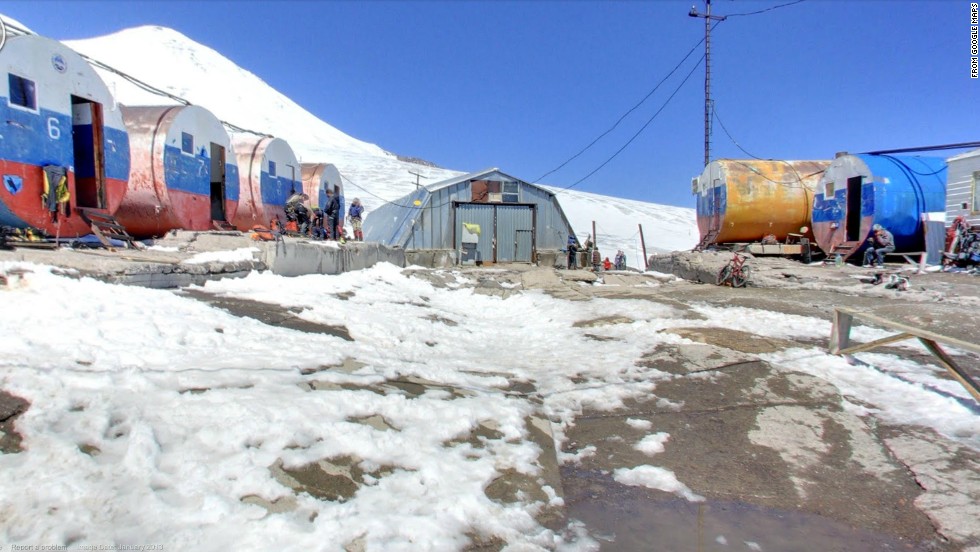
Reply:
x=852 y=224
x=89 y=155
x=218 y=182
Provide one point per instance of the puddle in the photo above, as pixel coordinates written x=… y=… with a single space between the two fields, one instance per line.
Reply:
x=627 y=519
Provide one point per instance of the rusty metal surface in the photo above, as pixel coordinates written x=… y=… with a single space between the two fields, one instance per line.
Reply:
x=170 y=188
x=746 y=200
x=858 y=191
x=316 y=178
x=263 y=195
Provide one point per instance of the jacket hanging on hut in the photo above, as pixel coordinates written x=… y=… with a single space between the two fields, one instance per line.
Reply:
x=55 y=195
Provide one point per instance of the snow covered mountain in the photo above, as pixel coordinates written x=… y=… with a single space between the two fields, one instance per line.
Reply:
x=172 y=62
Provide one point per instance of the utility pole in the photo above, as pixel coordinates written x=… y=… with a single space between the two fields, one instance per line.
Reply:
x=643 y=244
x=417 y=176
x=708 y=18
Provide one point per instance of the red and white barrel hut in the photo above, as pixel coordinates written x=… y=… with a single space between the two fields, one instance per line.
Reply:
x=184 y=172
x=317 y=177
x=64 y=145
x=269 y=173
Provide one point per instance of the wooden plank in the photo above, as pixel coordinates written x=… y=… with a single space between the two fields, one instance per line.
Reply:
x=951 y=367
x=121 y=237
x=98 y=234
x=840 y=332
x=110 y=225
x=860 y=348
x=898 y=326
x=840 y=343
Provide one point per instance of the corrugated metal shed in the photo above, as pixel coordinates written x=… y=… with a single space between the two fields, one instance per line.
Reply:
x=517 y=219
x=963 y=187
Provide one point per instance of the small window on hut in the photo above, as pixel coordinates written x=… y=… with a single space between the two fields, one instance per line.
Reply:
x=511 y=192
x=187 y=143
x=272 y=168
x=493 y=189
x=23 y=92
x=975 y=196
x=828 y=190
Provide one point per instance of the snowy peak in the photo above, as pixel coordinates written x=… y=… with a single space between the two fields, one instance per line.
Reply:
x=170 y=61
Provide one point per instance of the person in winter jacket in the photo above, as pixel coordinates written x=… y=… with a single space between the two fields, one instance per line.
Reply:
x=572 y=252
x=620 y=261
x=881 y=243
x=332 y=214
x=296 y=211
x=355 y=214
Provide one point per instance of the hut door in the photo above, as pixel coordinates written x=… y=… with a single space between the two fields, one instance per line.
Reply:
x=853 y=221
x=89 y=156
x=477 y=247
x=217 y=182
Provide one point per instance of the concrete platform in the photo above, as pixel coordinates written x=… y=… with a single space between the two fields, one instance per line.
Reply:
x=184 y=258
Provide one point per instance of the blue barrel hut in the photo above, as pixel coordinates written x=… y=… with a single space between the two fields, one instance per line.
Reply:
x=858 y=191
x=63 y=145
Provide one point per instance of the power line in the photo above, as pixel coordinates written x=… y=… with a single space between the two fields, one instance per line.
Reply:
x=766 y=9
x=632 y=138
x=715 y=114
x=961 y=145
x=630 y=110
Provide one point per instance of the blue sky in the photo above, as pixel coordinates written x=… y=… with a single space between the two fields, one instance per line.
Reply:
x=524 y=86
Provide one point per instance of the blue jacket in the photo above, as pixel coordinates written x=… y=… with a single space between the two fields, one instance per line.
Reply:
x=355 y=211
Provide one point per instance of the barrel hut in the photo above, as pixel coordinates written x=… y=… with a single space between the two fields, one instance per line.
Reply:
x=269 y=173
x=317 y=177
x=963 y=188
x=64 y=146
x=858 y=191
x=745 y=200
x=482 y=217
x=183 y=171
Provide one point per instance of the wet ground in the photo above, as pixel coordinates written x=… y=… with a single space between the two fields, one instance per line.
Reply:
x=779 y=463
x=632 y=519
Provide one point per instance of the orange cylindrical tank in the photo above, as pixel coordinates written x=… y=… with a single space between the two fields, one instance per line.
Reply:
x=747 y=200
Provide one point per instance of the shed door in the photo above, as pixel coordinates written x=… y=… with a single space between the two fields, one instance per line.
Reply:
x=483 y=216
x=514 y=233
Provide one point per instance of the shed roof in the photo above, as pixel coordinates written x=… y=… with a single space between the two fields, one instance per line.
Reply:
x=967 y=155
x=478 y=175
